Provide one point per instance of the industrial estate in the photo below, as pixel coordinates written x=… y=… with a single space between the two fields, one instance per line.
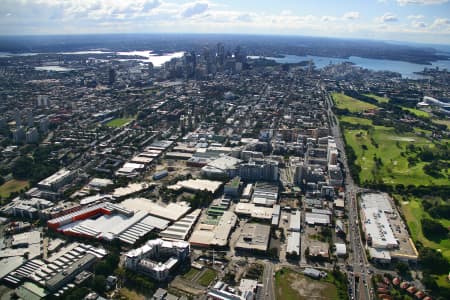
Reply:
x=221 y=175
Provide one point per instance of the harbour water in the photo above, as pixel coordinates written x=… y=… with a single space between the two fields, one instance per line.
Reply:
x=406 y=69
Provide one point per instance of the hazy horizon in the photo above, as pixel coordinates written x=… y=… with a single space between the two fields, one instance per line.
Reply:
x=418 y=21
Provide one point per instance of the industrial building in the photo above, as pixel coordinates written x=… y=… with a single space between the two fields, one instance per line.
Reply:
x=171 y=212
x=207 y=235
x=147 y=259
x=194 y=185
x=256 y=212
x=181 y=229
x=317 y=219
x=379 y=234
x=293 y=243
x=265 y=194
x=114 y=222
x=254 y=237
x=295 y=224
x=57 y=270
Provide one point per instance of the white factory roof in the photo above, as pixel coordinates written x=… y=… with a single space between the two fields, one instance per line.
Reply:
x=223 y=229
x=197 y=185
x=224 y=162
x=130 y=167
x=341 y=249
x=311 y=218
x=296 y=221
x=130 y=189
x=172 y=212
x=377 y=200
x=293 y=242
x=100 y=182
x=215 y=235
x=10 y=264
x=379 y=254
x=377 y=226
x=258 y=212
x=141 y=159
x=181 y=229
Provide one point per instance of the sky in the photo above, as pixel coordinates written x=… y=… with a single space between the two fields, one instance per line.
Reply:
x=420 y=21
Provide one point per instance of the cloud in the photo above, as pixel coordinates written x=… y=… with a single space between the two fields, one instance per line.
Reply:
x=351 y=15
x=418 y=24
x=150 y=4
x=421 y=2
x=328 y=19
x=415 y=17
x=244 y=18
x=194 y=9
x=387 y=18
x=440 y=23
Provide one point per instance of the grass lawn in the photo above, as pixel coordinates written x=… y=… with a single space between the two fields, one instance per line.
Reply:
x=290 y=285
x=12 y=186
x=417 y=112
x=414 y=212
x=442 y=122
x=119 y=122
x=207 y=277
x=394 y=168
x=131 y=295
x=353 y=105
x=442 y=280
x=355 y=120
x=190 y=274
x=378 y=98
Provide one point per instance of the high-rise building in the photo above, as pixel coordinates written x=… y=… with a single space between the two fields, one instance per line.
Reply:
x=17 y=118
x=32 y=136
x=43 y=125
x=19 y=135
x=42 y=101
x=29 y=118
x=111 y=76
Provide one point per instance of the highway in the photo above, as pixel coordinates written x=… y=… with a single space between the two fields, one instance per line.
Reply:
x=357 y=257
x=268 y=277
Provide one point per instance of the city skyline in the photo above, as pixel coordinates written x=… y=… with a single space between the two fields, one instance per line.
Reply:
x=420 y=21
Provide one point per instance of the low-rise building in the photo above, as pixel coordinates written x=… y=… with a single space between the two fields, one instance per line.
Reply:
x=147 y=259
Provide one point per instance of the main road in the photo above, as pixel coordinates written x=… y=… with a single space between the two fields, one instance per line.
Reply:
x=268 y=277
x=357 y=257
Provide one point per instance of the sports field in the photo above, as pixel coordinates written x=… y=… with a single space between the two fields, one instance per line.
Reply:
x=378 y=98
x=12 y=186
x=119 y=122
x=353 y=105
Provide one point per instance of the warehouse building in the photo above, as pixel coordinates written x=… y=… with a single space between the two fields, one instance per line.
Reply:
x=114 y=222
x=254 y=237
x=171 y=212
x=207 y=235
x=317 y=219
x=182 y=229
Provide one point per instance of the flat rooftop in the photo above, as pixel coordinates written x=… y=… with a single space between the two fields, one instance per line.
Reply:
x=254 y=236
x=172 y=211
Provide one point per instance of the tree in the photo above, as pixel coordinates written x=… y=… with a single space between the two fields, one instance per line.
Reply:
x=403 y=269
x=433 y=261
x=22 y=167
x=99 y=284
x=433 y=230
